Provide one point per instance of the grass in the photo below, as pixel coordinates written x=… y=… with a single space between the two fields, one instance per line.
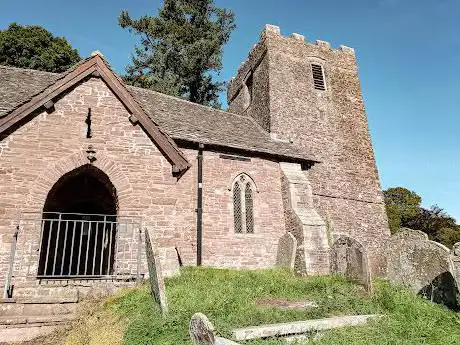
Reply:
x=228 y=298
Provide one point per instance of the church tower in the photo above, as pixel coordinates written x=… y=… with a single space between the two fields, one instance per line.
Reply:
x=309 y=94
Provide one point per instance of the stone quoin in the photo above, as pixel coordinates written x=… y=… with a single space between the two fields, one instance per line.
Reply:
x=87 y=164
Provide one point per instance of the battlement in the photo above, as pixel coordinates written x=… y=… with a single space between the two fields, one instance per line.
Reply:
x=273 y=30
x=271 y=36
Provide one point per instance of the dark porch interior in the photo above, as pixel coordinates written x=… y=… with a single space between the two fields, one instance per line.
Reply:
x=79 y=226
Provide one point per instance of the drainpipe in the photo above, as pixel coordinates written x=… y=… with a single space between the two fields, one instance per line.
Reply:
x=199 y=208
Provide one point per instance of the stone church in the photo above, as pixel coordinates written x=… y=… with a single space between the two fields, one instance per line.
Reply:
x=88 y=164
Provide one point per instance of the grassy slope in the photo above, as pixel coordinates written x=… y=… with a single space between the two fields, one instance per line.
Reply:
x=227 y=298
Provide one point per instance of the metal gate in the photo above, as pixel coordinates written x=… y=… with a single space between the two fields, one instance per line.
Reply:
x=76 y=246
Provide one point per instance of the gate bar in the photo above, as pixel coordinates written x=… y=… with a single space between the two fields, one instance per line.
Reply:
x=102 y=245
x=48 y=247
x=65 y=245
x=110 y=248
x=87 y=248
x=53 y=272
x=71 y=248
x=95 y=248
x=79 y=247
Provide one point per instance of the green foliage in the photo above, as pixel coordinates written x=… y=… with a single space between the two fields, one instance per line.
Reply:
x=404 y=210
x=227 y=297
x=409 y=320
x=449 y=236
x=401 y=205
x=180 y=49
x=433 y=221
x=36 y=48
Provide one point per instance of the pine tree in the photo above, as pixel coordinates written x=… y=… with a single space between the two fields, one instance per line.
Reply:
x=180 y=49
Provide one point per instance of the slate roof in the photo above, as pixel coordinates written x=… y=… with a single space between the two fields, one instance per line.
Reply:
x=181 y=119
x=18 y=85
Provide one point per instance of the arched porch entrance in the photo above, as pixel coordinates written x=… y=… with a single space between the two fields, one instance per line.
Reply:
x=79 y=229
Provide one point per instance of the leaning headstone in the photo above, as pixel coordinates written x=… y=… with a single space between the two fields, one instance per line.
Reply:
x=202 y=332
x=424 y=266
x=157 y=284
x=349 y=258
x=287 y=247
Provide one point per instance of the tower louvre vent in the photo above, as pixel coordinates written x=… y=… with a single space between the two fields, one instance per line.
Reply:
x=318 y=77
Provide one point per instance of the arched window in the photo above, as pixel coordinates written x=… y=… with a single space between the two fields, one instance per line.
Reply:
x=237 y=208
x=248 y=208
x=243 y=204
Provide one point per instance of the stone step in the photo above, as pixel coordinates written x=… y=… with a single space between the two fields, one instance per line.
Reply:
x=34 y=321
x=37 y=306
x=20 y=334
x=68 y=289
x=41 y=299
x=18 y=328
x=299 y=327
x=30 y=291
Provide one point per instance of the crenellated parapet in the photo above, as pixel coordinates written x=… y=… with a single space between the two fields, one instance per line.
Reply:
x=274 y=31
x=297 y=44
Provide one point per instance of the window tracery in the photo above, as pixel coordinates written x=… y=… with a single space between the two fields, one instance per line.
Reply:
x=243 y=204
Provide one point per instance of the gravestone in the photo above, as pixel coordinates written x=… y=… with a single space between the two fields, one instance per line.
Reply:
x=157 y=284
x=170 y=261
x=201 y=331
x=287 y=247
x=456 y=249
x=349 y=259
x=285 y=304
x=455 y=257
x=424 y=266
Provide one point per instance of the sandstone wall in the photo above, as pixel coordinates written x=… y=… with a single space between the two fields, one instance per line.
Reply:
x=330 y=125
x=35 y=156
x=222 y=246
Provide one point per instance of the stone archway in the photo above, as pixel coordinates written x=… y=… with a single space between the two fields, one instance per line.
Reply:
x=79 y=225
x=86 y=190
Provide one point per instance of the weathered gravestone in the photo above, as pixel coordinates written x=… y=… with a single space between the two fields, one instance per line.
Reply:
x=349 y=258
x=455 y=257
x=285 y=304
x=202 y=332
x=170 y=261
x=287 y=247
x=424 y=266
x=157 y=284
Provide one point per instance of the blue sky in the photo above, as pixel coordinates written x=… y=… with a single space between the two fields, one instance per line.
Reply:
x=408 y=54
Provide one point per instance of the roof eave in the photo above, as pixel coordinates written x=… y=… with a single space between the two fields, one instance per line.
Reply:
x=191 y=143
